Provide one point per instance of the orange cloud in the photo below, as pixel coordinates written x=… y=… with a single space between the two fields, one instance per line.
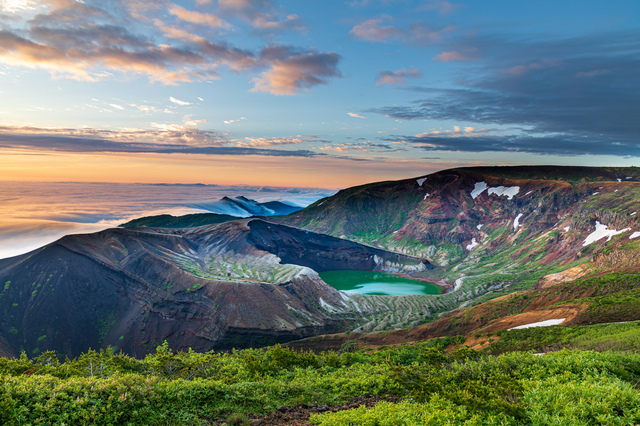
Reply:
x=451 y=56
x=291 y=74
x=197 y=17
x=92 y=45
x=398 y=77
x=372 y=30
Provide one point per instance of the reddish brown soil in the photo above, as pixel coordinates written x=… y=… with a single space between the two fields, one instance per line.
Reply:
x=299 y=416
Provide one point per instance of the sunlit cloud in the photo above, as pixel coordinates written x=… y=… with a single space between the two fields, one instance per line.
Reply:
x=234 y=121
x=367 y=147
x=94 y=44
x=12 y=6
x=179 y=102
x=160 y=138
x=452 y=56
x=177 y=33
x=353 y=114
x=266 y=142
x=398 y=78
x=116 y=106
x=190 y=16
x=375 y=31
x=262 y=15
x=292 y=71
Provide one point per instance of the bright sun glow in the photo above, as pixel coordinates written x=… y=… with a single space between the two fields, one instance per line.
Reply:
x=15 y=5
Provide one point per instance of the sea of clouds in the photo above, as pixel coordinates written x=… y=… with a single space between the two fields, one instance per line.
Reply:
x=34 y=214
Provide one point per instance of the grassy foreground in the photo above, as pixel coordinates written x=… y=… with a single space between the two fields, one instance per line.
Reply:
x=437 y=386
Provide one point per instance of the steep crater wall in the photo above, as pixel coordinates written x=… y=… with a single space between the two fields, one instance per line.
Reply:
x=324 y=253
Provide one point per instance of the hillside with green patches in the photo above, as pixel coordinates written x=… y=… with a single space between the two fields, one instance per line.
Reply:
x=489 y=229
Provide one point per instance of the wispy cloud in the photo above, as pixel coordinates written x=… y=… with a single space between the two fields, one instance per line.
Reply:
x=208 y=19
x=453 y=56
x=262 y=14
x=179 y=102
x=376 y=31
x=398 y=78
x=267 y=142
x=442 y=7
x=234 y=121
x=353 y=114
x=161 y=138
x=537 y=91
x=373 y=30
x=366 y=147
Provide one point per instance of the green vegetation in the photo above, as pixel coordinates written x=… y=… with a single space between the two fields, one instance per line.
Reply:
x=600 y=337
x=436 y=385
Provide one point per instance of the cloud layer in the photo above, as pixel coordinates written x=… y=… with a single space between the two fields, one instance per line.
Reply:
x=566 y=97
x=162 y=41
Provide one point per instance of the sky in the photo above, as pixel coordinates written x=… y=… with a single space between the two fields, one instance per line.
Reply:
x=308 y=93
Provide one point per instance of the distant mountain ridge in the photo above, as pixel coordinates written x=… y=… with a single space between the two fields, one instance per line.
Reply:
x=244 y=207
x=240 y=207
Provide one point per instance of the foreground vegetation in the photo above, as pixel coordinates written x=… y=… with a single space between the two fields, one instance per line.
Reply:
x=439 y=382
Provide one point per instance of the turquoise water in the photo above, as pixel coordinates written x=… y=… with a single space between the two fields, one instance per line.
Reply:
x=369 y=282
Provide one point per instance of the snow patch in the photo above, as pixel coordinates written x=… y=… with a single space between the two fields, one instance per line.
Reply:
x=633 y=214
x=634 y=235
x=528 y=193
x=601 y=232
x=566 y=228
x=540 y=324
x=595 y=193
x=516 y=222
x=629 y=177
x=615 y=190
x=473 y=244
x=420 y=181
x=480 y=226
x=619 y=180
x=508 y=192
x=478 y=189
x=425 y=196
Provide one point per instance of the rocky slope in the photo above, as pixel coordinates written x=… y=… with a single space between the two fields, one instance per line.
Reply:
x=484 y=232
x=237 y=284
x=491 y=227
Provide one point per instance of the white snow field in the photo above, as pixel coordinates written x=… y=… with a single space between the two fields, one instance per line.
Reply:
x=540 y=324
x=601 y=232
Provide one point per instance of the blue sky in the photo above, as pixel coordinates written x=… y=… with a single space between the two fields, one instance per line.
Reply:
x=310 y=93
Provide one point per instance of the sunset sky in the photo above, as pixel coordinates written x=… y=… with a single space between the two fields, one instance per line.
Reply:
x=312 y=93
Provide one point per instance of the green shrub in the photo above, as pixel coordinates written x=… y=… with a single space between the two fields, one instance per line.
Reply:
x=436 y=412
